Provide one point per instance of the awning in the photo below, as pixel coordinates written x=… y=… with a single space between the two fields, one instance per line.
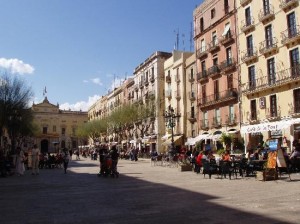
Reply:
x=226 y=29
x=193 y=141
x=271 y=126
x=169 y=141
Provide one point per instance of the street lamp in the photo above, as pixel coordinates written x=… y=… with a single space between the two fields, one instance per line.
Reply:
x=170 y=119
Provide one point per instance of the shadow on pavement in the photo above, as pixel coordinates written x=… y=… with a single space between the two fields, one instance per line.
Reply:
x=55 y=198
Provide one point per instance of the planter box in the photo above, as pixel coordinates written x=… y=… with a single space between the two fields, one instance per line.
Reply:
x=185 y=167
x=268 y=174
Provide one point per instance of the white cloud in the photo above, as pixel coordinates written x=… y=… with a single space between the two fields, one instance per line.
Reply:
x=16 y=66
x=81 y=105
x=97 y=81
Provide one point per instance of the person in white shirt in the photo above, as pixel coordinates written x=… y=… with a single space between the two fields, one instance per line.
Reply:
x=35 y=160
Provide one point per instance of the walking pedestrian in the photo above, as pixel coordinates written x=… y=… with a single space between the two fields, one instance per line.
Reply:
x=66 y=158
x=20 y=168
x=35 y=155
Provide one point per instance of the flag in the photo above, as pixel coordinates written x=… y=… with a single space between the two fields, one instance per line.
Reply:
x=44 y=91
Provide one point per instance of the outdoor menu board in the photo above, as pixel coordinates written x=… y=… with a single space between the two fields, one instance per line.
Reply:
x=273 y=144
x=280 y=159
x=272 y=158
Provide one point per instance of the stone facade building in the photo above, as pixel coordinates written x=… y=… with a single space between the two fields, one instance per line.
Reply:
x=57 y=128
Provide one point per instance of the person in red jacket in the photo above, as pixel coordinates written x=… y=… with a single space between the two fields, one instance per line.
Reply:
x=199 y=161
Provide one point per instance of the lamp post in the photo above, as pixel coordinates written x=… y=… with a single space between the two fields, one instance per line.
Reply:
x=170 y=119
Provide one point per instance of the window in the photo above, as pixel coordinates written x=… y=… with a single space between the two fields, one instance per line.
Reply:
x=54 y=128
x=291 y=23
x=251 y=77
x=253 y=115
x=226 y=6
x=205 y=119
x=231 y=114
x=297 y=101
x=295 y=62
x=213 y=13
x=273 y=106
x=202 y=46
x=203 y=66
x=269 y=36
x=229 y=56
x=45 y=130
x=214 y=38
x=248 y=16
x=63 y=131
x=192 y=73
x=204 y=94
x=266 y=4
x=201 y=24
x=230 y=82
x=216 y=89
x=217 y=116
x=250 y=46
x=271 y=71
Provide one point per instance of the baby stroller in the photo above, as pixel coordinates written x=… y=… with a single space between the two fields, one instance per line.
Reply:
x=108 y=167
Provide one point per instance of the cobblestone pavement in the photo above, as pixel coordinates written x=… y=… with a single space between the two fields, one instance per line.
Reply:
x=145 y=194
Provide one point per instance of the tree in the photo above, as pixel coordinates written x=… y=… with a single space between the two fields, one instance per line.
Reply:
x=226 y=139
x=15 y=116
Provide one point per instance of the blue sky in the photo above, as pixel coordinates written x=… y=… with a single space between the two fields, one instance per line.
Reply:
x=77 y=49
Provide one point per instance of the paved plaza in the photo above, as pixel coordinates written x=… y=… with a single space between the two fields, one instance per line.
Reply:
x=145 y=194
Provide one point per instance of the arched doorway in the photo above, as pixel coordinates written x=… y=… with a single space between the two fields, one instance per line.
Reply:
x=44 y=146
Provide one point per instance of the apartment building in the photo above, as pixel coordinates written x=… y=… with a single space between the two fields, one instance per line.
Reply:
x=269 y=37
x=191 y=97
x=57 y=128
x=149 y=91
x=176 y=98
x=217 y=70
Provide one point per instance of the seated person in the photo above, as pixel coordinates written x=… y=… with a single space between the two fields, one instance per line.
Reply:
x=226 y=156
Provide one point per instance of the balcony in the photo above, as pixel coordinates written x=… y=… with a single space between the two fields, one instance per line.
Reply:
x=202 y=77
x=247 y=25
x=141 y=85
x=231 y=120
x=249 y=55
x=169 y=94
x=227 y=39
x=168 y=78
x=191 y=116
x=279 y=79
x=268 y=47
x=216 y=122
x=294 y=111
x=213 y=46
x=204 y=124
x=192 y=96
x=191 y=77
x=245 y=2
x=228 y=65
x=178 y=94
x=273 y=114
x=146 y=82
x=287 y=5
x=201 y=52
x=291 y=35
x=214 y=71
x=230 y=95
x=266 y=14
